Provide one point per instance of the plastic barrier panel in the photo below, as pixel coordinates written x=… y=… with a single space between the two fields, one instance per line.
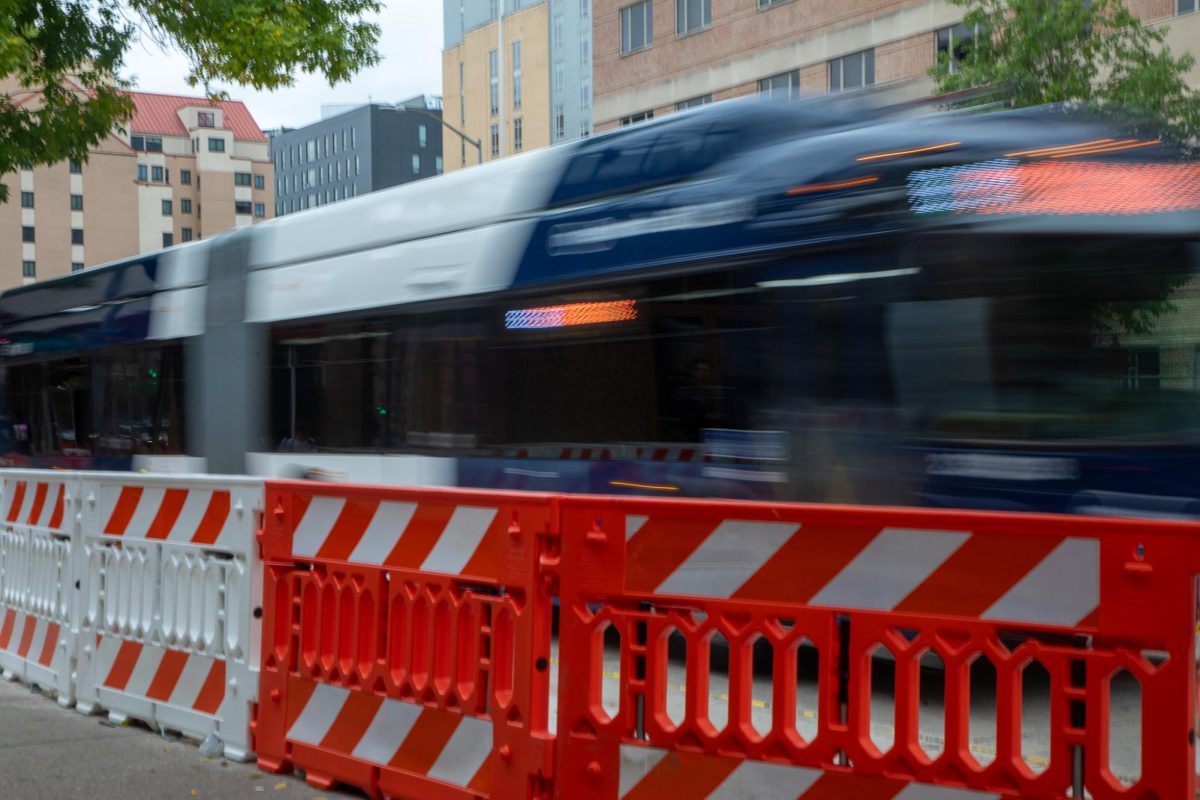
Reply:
x=171 y=588
x=408 y=640
x=37 y=599
x=728 y=650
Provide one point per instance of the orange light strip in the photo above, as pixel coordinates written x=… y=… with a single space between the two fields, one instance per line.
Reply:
x=914 y=151
x=632 y=485
x=1048 y=150
x=1131 y=144
x=571 y=314
x=832 y=185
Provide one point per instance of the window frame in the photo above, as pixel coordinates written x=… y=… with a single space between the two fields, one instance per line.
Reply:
x=77 y=236
x=28 y=268
x=216 y=144
x=867 y=68
x=77 y=202
x=684 y=26
x=646 y=8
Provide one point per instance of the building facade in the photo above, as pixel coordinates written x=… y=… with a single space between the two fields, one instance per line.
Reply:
x=515 y=83
x=183 y=169
x=356 y=150
x=655 y=57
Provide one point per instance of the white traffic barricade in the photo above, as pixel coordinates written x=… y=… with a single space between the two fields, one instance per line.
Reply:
x=38 y=604
x=171 y=592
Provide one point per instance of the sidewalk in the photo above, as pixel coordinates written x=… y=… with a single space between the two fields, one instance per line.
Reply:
x=47 y=753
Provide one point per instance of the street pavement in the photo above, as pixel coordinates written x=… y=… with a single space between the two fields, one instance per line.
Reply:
x=51 y=753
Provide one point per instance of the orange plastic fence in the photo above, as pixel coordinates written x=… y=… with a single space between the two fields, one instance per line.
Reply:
x=406 y=640
x=408 y=646
x=1083 y=598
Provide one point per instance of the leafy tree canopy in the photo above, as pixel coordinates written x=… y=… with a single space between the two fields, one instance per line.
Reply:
x=59 y=59
x=1088 y=53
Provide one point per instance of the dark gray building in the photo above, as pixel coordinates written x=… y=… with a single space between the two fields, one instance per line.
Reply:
x=356 y=150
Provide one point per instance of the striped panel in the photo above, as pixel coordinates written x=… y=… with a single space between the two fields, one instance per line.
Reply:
x=180 y=679
x=444 y=746
x=1002 y=577
x=430 y=537
x=652 y=773
x=185 y=516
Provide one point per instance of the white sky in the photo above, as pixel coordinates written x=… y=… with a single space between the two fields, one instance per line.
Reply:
x=410 y=45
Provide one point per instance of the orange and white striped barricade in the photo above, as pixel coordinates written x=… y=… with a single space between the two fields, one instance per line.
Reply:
x=171 y=597
x=407 y=640
x=37 y=568
x=1087 y=603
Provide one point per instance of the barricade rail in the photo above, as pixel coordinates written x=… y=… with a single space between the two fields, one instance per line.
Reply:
x=402 y=640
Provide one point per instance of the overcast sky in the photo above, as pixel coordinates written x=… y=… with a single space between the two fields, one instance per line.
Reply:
x=410 y=44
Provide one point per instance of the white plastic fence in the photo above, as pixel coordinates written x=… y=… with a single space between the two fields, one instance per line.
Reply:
x=156 y=579
x=38 y=534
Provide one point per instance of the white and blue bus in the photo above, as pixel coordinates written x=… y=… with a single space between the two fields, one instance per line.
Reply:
x=808 y=301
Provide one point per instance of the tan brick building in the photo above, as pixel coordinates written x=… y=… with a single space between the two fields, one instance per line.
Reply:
x=657 y=56
x=184 y=169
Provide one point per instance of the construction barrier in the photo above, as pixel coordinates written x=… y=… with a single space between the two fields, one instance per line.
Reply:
x=37 y=551
x=868 y=590
x=407 y=640
x=169 y=587
x=705 y=649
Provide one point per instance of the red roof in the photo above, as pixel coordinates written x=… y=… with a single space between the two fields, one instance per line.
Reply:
x=159 y=114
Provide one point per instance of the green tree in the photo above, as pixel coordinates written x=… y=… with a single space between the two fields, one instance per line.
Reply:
x=1083 y=53
x=60 y=59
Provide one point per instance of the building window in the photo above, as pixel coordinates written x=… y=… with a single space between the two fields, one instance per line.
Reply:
x=560 y=121
x=76 y=266
x=954 y=45
x=143 y=173
x=260 y=210
x=518 y=135
x=76 y=235
x=168 y=239
x=76 y=168
x=260 y=182
x=785 y=85
x=206 y=119
x=185 y=234
x=27 y=234
x=637 y=26
x=495 y=140
x=1185 y=6
x=150 y=144
x=166 y=208
x=29 y=269
x=462 y=93
x=185 y=205
x=353 y=139
x=494 y=81
x=156 y=174
x=692 y=15
x=702 y=100
x=633 y=119
x=853 y=71
x=437 y=164
x=516 y=73
x=77 y=202
x=356 y=165
x=241 y=179
x=216 y=145
x=416 y=164
x=241 y=207
x=185 y=177
x=27 y=199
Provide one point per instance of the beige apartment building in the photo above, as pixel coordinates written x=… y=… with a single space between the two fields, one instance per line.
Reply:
x=183 y=169
x=499 y=99
x=655 y=57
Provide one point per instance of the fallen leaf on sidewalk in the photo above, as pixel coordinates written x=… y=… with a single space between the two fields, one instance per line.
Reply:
x=280 y=785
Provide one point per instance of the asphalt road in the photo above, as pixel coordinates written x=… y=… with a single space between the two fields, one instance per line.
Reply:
x=51 y=753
